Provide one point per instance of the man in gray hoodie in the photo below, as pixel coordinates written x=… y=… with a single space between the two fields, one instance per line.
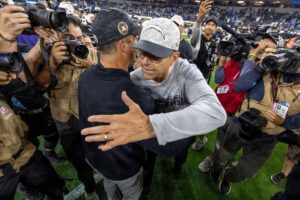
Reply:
x=187 y=105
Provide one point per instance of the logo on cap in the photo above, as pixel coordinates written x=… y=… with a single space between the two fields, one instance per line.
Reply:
x=123 y=28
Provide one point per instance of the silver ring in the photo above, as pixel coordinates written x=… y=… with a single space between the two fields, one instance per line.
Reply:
x=105 y=137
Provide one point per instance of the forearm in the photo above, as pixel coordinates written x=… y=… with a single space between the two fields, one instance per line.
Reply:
x=33 y=59
x=43 y=78
x=249 y=75
x=199 y=118
x=220 y=75
x=292 y=122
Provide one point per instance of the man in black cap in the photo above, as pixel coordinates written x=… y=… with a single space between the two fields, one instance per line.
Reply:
x=100 y=89
x=204 y=47
x=202 y=41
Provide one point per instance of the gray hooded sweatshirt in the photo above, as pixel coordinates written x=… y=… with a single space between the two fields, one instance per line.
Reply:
x=186 y=103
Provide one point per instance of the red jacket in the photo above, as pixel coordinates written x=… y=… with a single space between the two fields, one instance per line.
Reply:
x=230 y=99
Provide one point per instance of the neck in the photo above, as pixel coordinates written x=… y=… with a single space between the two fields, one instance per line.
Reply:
x=208 y=37
x=114 y=62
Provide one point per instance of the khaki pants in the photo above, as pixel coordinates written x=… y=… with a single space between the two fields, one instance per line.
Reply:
x=288 y=164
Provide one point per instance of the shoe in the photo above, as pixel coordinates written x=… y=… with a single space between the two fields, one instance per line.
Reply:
x=215 y=176
x=277 y=178
x=225 y=187
x=91 y=196
x=205 y=165
x=53 y=157
x=197 y=146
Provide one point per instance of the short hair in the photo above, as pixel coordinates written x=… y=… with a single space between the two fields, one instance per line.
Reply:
x=75 y=20
x=111 y=47
x=108 y=48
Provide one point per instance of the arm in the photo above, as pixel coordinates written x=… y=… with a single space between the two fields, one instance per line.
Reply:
x=13 y=21
x=204 y=7
x=292 y=122
x=220 y=75
x=249 y=75
x=220 y=72
x=203 y=115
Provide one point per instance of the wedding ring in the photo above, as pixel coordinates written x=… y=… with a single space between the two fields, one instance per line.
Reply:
x=105 y=137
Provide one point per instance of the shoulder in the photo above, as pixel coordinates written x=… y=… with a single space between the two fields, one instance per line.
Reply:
x=88 y=72
x=187 y=70
x=137 y=76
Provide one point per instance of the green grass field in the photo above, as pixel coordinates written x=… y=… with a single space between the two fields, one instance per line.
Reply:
x=194 y=185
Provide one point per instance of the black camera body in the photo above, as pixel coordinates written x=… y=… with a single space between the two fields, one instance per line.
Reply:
x=234 y=47
x=56 y=20
x=11 y=62
x=238 y=46
x=284 y=61
x=251 y=123
x=77 y=48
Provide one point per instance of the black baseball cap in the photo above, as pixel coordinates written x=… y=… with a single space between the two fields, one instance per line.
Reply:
x=212 y=19
x=111 y=25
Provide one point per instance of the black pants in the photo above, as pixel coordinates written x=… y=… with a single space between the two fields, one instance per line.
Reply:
x=37 y=174
x=292 y=189
x=72 y=144
x=41 y=124
x=255 y=152
x=177 y=149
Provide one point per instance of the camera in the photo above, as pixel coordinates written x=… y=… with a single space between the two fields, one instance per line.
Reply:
x=77 y=48
x=239 y=45
x=56 y=20
x=251 y=123
x=11 y=62
x=284 y=60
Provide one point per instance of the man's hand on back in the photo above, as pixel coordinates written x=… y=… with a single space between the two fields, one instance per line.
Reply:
x=122 y=129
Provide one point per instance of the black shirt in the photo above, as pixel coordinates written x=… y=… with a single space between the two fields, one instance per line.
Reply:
x=99 y=92
x=186 y=51
x=207 y=48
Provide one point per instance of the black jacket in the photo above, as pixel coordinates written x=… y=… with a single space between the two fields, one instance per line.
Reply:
x=99 y=92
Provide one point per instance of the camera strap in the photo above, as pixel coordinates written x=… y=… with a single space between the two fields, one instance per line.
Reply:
x=274 y=84
x=45 y=56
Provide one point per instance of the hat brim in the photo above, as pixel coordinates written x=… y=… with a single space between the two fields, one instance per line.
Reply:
x=153 y=49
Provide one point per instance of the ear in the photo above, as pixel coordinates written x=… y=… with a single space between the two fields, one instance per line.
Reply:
x=175 y=56
x=122 y=46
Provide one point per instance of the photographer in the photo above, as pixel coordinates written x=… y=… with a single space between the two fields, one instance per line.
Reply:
x=20 y=160
x=226 y=76
x=63 y=99
x=29 y=101
x=256 y=140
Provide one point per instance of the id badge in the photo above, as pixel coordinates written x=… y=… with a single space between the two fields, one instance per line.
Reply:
x=223 y=89
x=281 y=109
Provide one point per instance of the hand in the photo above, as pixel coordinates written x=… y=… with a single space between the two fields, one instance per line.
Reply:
x=49 y=35
x=59 y=53
x=274 y=118
x=4 y=78
x=262 y=46
x=204 y=7
x=13 y=21
x=125 y=128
